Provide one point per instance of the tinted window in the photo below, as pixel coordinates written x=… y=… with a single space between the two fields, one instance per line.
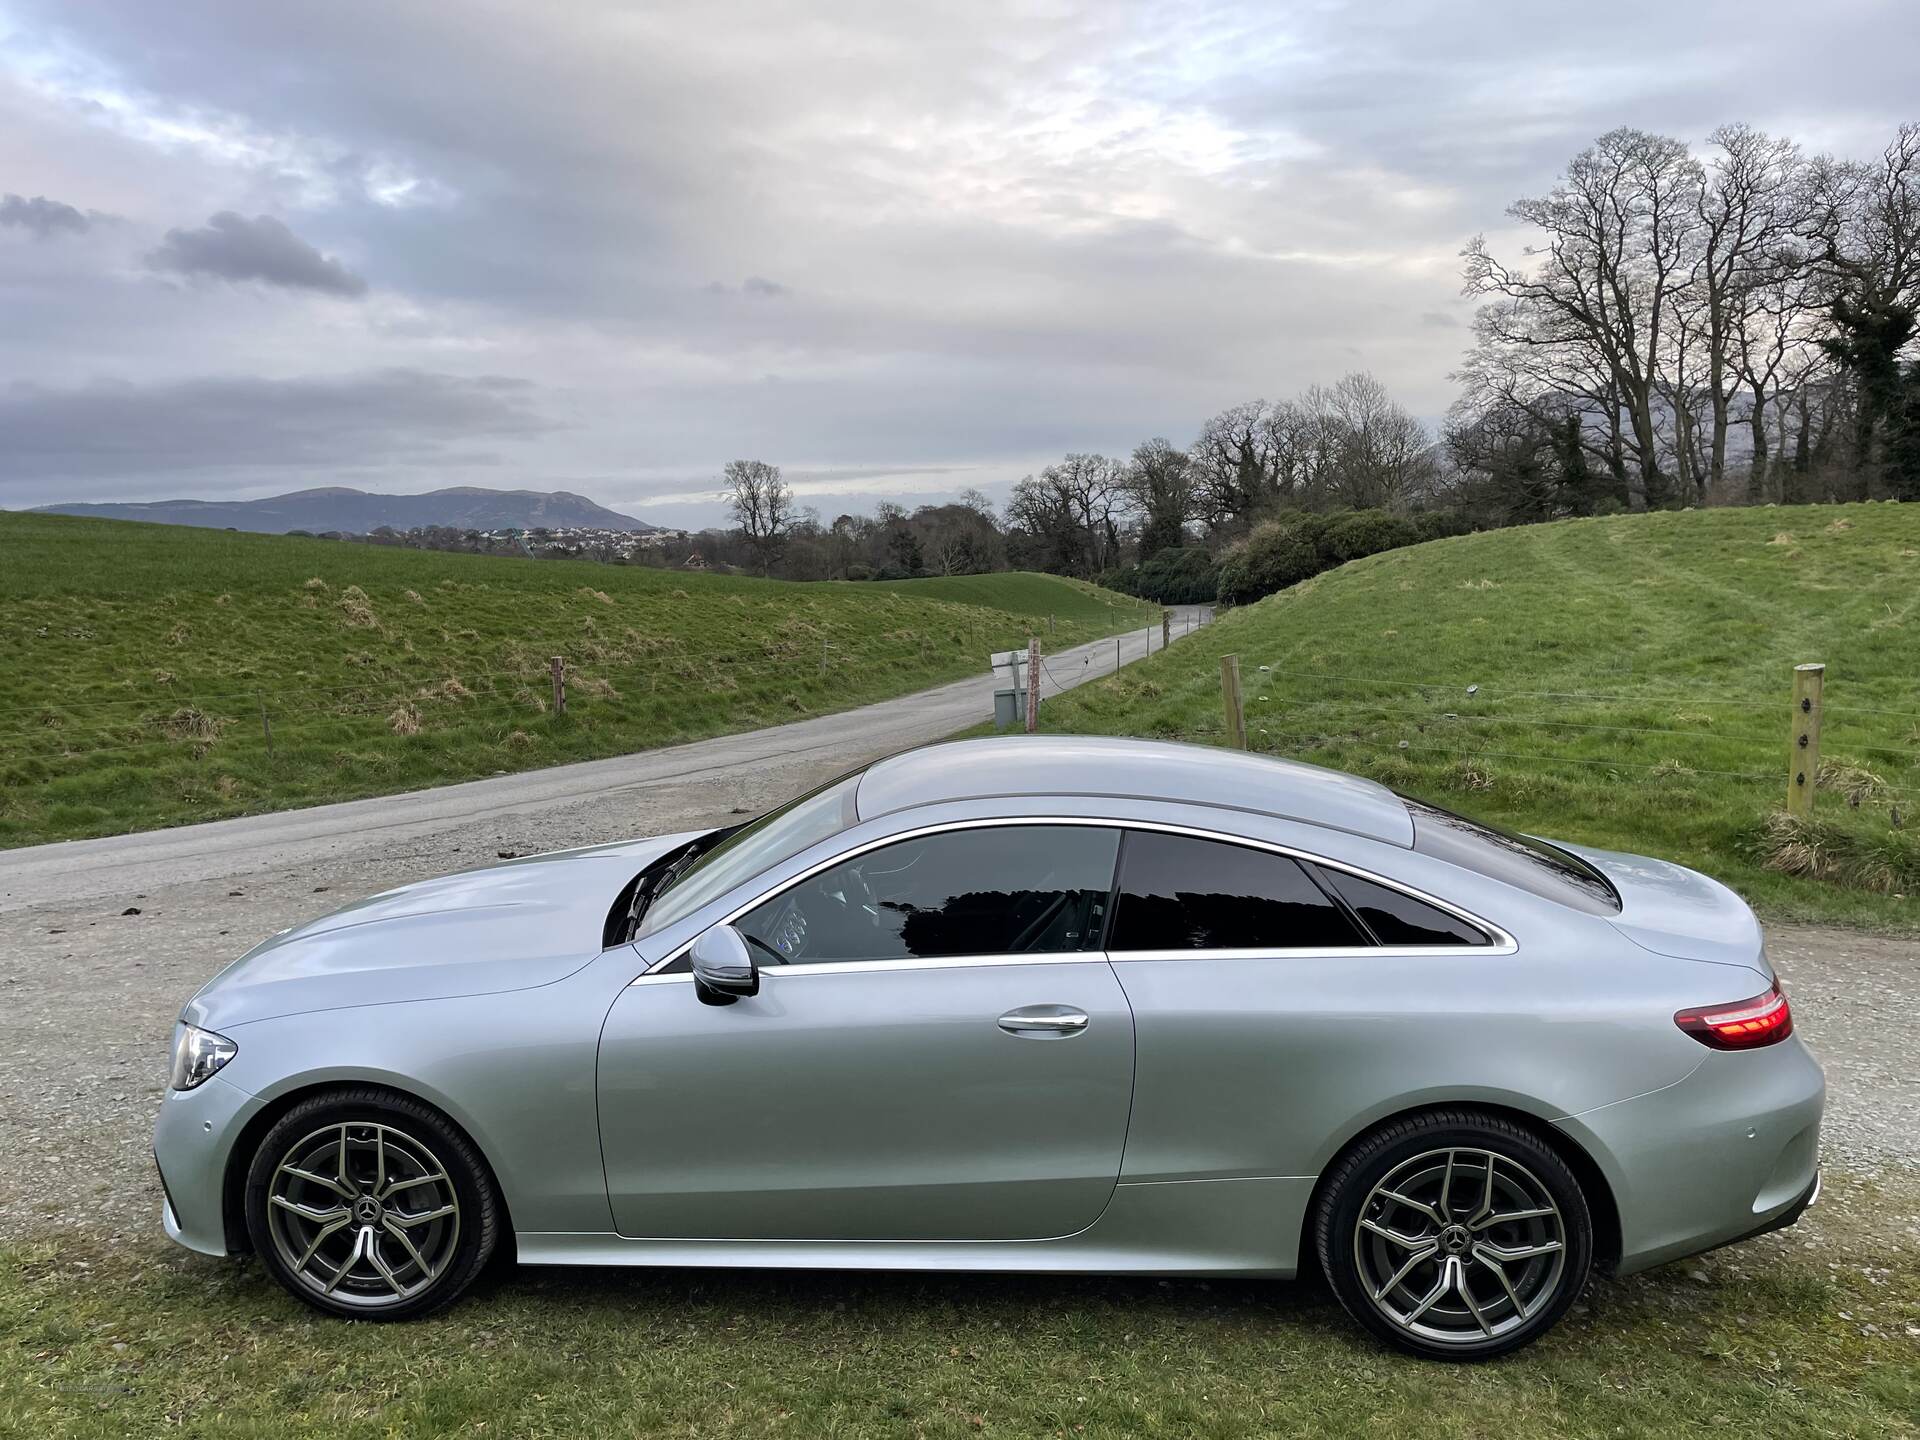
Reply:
x=1533 y=865
x=1017 y=889
x=1180 y=893
x=777 y=835
x=1397 y=919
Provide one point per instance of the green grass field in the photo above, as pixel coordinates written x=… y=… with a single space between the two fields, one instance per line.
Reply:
x=1786 y=1336
x=1633 y=683
x=136 y=660
x=1068 y=602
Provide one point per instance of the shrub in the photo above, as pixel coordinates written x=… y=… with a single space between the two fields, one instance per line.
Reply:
x=1178 y=575
x=1367 y=532
x=1290 y=548
x=1276 y=555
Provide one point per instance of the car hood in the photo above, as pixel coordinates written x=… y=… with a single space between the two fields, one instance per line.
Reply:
x=1671 y=910
x=508 y=927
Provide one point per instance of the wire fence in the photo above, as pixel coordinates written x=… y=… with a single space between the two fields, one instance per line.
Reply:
x=1665 y=733
x=1671 y=733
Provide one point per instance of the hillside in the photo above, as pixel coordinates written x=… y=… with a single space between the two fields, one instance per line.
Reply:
x=136 y=661
x=360 y=512
x=1067 y=602
x=1633 y=682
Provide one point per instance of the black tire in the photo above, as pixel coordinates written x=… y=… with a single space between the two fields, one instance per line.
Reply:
x=1442 y=1187
x=422 y=1263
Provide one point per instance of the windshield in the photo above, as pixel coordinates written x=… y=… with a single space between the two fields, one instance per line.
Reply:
x=775 y=836
x=1533 y=865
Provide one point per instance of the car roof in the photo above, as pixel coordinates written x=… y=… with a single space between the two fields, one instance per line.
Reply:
x=1147 y=770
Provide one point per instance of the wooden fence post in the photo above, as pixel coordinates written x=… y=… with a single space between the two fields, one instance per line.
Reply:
x=266 y=728
x=1803 y=753
x=1166 y=628
x=1230 y=698
x=1033 y=683
x=1116 y=654
x=559 y=668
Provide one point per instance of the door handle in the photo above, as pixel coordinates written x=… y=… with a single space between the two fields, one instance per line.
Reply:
x=1037 y=1021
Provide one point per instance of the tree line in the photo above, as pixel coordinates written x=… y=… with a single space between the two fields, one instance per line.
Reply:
x=1162 y=510
x=1733 y=326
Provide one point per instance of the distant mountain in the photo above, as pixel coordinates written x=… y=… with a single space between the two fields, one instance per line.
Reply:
x=356 y=512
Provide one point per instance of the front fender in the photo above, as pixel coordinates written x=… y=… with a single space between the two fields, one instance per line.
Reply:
x=515 y=1072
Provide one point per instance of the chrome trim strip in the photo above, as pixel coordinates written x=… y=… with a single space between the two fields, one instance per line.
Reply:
x=868 y=967
x=1503 y=942
x=936 y=962
x=1300 y=952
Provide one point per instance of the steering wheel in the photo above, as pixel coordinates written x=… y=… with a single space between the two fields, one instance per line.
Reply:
x=788 y=931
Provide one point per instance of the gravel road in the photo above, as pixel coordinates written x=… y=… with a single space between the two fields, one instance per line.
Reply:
x=101 y=941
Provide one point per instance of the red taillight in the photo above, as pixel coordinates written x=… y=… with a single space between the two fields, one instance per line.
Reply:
x=1742 y=1025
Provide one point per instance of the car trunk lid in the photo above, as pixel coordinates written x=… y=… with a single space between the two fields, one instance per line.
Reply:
x=1671 y=910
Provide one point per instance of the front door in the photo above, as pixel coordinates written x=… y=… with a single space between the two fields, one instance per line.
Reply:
x=938 y=1052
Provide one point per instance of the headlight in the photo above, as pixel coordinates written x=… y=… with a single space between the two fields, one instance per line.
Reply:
x=197 y=1054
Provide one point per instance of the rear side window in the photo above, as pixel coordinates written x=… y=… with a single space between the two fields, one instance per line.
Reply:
x=1399 y=919
x=1178 y=892
x=1533 y=865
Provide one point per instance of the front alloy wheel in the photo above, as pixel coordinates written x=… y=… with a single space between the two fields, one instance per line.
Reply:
x=368 y=1204
x=1455 y=1235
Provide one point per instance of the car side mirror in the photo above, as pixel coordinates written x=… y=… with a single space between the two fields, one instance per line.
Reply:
x=723 y=968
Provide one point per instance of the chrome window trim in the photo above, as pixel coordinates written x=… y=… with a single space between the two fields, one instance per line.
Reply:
x=867 y=967
x=1326 y=952
x=1500 y=941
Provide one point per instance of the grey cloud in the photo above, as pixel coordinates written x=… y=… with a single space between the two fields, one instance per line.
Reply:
x=41 y=217
x=119 y=432
x=232 y=247
x=1438 y=320
x=1006 y=231
x=757 y=286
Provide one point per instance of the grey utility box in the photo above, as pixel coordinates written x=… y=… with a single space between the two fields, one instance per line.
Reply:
x=1010 y=688
x=1009 y=709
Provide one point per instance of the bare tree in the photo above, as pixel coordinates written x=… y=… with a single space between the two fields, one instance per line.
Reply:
x=1159 y=482
x=1775 y=354
x=1384 y=455
x=978 y=502
x=1233 y=464
x=1753 y=205
x=761 y=505
x=1073 y=510
x=960 y=538
x=1619 y=238
x=1304 y=441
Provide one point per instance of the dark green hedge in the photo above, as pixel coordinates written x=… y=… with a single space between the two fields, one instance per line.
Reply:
x=1183 y=575
x=1292 y=548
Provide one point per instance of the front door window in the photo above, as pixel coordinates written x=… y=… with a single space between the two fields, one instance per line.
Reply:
x=989 y=890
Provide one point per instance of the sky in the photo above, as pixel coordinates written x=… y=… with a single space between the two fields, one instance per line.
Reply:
x=899 y=249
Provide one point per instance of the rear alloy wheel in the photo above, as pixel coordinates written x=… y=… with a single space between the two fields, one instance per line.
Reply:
x=367 y=1204
x=1456 y=1235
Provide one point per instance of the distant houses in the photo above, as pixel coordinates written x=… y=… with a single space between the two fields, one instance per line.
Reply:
x=588 y=540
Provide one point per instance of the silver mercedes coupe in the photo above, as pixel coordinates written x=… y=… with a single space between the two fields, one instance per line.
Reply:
x=1035 y=1004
